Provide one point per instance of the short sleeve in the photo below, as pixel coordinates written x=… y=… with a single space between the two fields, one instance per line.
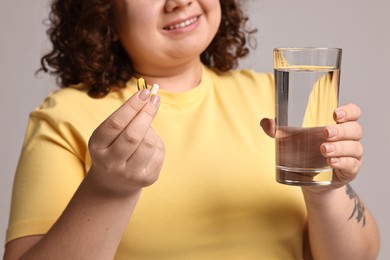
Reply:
x=49 y=171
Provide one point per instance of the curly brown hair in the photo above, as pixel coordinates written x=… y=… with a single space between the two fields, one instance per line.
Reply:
x=84 y=48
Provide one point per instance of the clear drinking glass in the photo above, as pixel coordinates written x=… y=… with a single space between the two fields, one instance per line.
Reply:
x=307 y=90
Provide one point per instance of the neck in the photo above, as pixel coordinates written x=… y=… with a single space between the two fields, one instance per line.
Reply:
x=174 y=78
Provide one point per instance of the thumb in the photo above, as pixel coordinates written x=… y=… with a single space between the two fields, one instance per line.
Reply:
x=268 y=126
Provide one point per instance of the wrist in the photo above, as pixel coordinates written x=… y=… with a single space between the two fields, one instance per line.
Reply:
x=99 y=187
x=321 y=196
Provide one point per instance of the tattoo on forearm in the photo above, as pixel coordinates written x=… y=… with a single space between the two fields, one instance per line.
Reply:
x=358 y=210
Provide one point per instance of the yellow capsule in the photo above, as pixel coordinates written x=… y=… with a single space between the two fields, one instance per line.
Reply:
x=141 y=84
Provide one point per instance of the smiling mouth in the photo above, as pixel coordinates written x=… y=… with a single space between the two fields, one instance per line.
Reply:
x=182 y=24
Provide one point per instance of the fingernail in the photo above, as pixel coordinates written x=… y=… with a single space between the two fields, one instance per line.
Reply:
x=144 y=95
x=340 y=114
x=334 y=160
x=155 y=100
x=264 y=123
x=329 y=148
x=331 y=132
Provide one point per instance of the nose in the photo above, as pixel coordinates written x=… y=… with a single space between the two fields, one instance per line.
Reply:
x=173 y=5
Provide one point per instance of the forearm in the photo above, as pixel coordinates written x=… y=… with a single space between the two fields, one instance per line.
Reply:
x=91 y=226
x=340 y=227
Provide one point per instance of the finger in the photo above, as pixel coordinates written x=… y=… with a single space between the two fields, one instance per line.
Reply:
x=345 y=131
x=145 y=164
x=268 y=126
x=142 y=155
x=157 y=160
x=342 y=149
x=113 y=126
x=132 y=136
x=346 y=168
x=349 y=112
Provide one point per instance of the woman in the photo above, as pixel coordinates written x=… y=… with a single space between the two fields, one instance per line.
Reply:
x=92 y=147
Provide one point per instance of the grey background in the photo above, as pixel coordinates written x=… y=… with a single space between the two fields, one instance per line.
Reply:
x=360 y=27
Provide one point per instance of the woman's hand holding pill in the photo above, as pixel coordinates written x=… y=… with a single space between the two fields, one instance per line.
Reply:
x=126 y=153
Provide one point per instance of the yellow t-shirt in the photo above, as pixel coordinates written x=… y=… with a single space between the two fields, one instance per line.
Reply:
x=216 y=198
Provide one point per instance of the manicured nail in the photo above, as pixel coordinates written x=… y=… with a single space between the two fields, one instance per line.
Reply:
x=334 y=160
x=331 y=132
x=155 y=100
x=329 y=148
x=144 y=95
x=264 y=123
x=340 y=114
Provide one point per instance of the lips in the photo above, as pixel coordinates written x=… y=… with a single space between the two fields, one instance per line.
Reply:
x=181 y=24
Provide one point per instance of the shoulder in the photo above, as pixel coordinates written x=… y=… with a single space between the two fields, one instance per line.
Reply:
x=68 y=99
x=63 y=96
x=68 y=117
x=74 y=104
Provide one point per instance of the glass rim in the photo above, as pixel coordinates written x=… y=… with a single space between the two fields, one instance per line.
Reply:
x=307 y=48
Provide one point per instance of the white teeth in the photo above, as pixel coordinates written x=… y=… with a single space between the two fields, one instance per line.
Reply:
x=182 y=24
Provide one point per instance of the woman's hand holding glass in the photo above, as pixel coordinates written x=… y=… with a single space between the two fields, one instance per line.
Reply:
x=342 y=145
